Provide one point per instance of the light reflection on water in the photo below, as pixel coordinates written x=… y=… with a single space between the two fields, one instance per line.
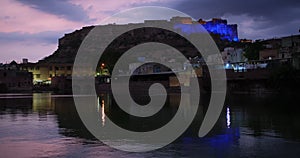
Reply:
x=228 y=117
x=102 y=112
x=45 y=125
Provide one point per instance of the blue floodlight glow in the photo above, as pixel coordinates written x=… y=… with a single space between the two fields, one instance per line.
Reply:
x=227 y=66
x=226 y=32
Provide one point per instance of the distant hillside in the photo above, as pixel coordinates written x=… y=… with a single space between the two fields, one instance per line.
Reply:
x=70 y=43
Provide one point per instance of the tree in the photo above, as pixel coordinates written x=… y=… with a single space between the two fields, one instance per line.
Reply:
x=252 y=50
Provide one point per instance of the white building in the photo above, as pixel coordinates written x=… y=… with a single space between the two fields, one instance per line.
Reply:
x=233 y=55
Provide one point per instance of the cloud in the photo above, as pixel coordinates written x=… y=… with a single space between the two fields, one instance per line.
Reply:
x=47 y=37
x=61 y=8
x=32 y=16
x=140 y=14
x=100 y=10
x=271 y=18
x=17 y=17
x=260 y=9
x=31 y=28
x=34 y=46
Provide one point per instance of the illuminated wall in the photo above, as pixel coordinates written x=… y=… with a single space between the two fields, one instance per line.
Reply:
x=216 y=26
x=227 y=32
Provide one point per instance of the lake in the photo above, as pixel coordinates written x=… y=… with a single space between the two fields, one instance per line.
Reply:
x=47 y=125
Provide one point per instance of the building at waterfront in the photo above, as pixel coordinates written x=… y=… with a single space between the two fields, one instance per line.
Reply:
x=270 y=49
x=290 y=48
x=233 y=55
x=268 y=54
x=12 y=78
x=284 y=48
x=44 y=72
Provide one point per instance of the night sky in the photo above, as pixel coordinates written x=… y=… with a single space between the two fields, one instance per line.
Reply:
x=31 y=28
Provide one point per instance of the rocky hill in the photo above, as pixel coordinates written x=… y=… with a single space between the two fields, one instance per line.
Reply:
x=67 y=47
x=70 y=43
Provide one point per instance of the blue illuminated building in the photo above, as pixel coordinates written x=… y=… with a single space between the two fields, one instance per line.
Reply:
x=215 y=26
x=220 y=27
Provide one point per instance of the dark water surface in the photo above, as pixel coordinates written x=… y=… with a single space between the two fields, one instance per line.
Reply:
x=45 y=125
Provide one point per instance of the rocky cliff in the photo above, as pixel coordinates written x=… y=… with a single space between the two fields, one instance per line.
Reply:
x=67 y=47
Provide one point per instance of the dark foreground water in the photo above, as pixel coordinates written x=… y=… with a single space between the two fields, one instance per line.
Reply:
x=45 y=125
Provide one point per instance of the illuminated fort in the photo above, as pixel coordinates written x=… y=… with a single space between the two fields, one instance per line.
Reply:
x=216 y=26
